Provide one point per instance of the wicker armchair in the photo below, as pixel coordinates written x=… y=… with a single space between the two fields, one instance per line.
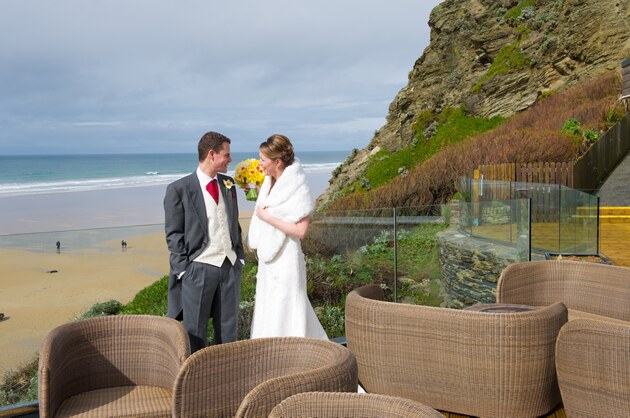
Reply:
x=119 y=366
x=589 y=290
x=471 y=363
x=351 y=405
x=593 y=366
x=248 y=378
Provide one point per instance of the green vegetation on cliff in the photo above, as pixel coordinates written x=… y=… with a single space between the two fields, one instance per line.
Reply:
x=451 y=126
x=510 y=58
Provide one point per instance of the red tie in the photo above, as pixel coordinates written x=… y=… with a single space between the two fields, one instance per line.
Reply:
x=213 y=189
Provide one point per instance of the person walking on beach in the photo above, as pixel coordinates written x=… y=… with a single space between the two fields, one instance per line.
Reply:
x=203 y=235
x=280 y=222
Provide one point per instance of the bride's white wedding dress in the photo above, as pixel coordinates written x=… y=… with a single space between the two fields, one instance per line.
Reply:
x=281 y=306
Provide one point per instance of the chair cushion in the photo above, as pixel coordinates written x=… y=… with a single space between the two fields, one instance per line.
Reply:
x=125 y=401
x=576 y=314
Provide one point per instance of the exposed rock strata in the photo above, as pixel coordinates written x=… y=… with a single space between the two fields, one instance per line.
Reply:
x=560 y=41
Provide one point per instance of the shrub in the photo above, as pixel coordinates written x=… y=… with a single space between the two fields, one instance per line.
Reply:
x=612 y=115
x=332 y=319
x=509 y=58
x=111 y=307
x=590 y=136
x=19 y=385
x=245 y=315
x=519 y=11
x=572 y=126
x=422 y=121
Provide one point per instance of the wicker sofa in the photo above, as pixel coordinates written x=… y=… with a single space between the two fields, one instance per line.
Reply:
x=589 y=290
x=350 y=405
x=248 y=378
x=593 y=366
x=111 y=366
x=472 y=363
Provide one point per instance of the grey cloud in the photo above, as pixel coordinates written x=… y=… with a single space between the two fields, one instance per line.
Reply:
x=122 y=76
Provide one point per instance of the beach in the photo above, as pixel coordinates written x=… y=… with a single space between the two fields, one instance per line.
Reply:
x=43 y=288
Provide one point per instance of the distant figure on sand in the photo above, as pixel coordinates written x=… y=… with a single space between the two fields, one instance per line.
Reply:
x=58 y=245
x=123 y=245
x=206 y=252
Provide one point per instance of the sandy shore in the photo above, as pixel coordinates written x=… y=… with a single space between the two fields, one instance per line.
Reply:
x=35 y=301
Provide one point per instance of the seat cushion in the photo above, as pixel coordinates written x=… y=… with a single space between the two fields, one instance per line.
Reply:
x=575 y=314
x=125 y=401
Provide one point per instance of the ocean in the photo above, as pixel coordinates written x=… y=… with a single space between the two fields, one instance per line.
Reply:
x=38 y=174
x=43 y=193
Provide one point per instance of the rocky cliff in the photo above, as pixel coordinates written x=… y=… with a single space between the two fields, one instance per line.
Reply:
x=496 y=57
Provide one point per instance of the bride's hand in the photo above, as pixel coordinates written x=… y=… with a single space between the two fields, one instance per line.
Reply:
x=262 y=213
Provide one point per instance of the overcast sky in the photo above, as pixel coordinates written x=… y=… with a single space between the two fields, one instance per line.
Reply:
x=118 y=76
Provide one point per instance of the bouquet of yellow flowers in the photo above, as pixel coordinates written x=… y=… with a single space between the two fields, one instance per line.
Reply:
x=249 y=175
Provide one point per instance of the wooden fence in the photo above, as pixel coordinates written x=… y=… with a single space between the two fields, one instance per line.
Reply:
x=592 y=169
x=547 y=173
x=625 y=80
x=541 y=182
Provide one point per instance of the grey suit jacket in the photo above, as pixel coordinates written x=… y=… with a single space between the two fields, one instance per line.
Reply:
x=186 y=225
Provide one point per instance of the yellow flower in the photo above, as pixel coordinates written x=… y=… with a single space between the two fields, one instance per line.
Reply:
x=228 y=184
x=249 y=171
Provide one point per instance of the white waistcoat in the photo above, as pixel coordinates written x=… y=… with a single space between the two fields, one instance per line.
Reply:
x=220 y=244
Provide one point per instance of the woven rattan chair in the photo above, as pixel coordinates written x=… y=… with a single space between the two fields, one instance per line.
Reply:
x=467 y=362
x=589 y=290
x=593 y=366
x=248 y=378
x=351 y=405
x=120 y=366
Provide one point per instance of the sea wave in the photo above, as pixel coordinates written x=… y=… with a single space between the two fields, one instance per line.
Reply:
x=151 y=178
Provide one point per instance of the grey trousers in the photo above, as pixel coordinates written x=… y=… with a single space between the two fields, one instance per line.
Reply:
x=210 y=291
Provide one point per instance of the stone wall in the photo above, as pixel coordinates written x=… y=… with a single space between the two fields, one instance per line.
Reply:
x=471 y=267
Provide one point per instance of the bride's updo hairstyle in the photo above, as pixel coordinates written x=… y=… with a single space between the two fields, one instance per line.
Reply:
x=278 y=147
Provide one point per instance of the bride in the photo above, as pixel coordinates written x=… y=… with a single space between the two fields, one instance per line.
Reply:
x=280 y=221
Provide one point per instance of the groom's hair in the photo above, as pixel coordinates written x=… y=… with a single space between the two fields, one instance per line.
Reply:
x=211 y=141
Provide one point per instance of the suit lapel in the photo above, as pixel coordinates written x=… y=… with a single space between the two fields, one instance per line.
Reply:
x=194 y=192
x=229 y=201
x=227 y=197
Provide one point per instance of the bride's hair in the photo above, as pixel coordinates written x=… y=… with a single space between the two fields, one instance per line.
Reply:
x=278 y=147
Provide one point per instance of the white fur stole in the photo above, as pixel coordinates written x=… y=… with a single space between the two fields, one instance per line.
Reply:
x=290 y=201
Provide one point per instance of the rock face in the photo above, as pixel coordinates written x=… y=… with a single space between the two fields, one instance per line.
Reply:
x=496 y=57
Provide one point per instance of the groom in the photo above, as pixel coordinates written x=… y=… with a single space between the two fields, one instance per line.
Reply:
x=206 y=252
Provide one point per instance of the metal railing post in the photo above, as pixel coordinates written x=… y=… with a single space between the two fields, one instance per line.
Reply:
x=395 y=257
x=597 y=230
x=529 y=216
